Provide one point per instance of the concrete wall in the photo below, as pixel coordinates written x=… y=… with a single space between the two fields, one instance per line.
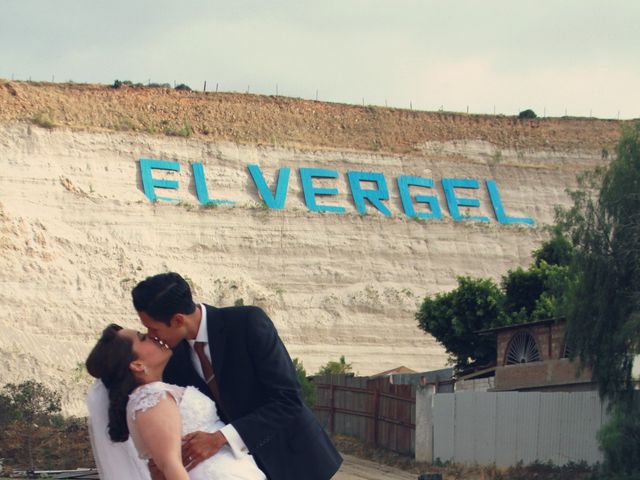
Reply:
x=505 y=428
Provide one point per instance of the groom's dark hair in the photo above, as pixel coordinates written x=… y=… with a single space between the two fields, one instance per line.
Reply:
x=162 y=296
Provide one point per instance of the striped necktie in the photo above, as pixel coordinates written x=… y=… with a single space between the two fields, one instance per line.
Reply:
x=209 y=375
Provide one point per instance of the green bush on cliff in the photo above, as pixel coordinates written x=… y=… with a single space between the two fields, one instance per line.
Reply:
x=528 y=113
x=44 y=120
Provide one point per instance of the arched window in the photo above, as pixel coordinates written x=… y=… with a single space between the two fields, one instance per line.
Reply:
x=522 y=348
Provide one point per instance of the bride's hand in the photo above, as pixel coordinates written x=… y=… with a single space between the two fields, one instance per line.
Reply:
x=199 y=446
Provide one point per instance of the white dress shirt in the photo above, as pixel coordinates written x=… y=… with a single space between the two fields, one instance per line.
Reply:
x=229 y=431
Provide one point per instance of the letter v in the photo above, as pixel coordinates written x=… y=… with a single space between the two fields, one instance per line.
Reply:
x=273 y=201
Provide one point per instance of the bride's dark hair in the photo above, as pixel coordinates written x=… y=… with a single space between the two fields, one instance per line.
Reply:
x=109 y=361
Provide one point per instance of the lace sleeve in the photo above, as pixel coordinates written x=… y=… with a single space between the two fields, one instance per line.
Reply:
x=148 y=396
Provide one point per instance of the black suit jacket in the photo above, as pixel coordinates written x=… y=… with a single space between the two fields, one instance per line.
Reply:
x=260 y=394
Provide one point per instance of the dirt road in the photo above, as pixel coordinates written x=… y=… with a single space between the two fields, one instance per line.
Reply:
x=355 y=468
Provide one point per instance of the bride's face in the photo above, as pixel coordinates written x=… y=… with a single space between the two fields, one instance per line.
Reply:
x=148 y=351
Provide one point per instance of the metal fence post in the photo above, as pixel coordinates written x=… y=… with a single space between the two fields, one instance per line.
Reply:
x=424 y=423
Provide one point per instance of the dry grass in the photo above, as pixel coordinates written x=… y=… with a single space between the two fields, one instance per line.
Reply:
x=43 y=119
x=288 y=122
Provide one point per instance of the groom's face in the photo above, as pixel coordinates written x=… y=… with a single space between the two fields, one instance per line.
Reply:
x=171 y=334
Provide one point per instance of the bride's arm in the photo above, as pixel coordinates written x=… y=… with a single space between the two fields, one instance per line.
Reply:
x=159 y=429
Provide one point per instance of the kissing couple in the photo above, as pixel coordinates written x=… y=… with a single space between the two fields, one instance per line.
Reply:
x=203 y=393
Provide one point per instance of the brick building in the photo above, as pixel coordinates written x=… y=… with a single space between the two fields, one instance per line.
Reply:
x=533 y=356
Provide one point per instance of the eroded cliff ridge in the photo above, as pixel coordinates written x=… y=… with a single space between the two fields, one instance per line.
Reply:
x=77 y=230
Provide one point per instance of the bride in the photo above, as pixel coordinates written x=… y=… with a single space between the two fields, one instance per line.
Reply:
x=158 y=415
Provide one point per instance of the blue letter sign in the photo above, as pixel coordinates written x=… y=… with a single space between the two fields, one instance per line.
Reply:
x=149 y=184
x=277 y=199
x=449 y=184
x=375 y=196
x=502 y=217
x=404 y=182
x=365 y=187
x=310 y=192
x=201 y=187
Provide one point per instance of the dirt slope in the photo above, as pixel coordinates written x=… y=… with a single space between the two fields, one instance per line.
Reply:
x=282 y=121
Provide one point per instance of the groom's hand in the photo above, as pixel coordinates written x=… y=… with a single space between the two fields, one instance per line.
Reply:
x=154 y=471
x=199 y=446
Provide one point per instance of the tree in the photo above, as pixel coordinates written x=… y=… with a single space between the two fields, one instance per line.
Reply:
x=555 y=251
x=620 y=443
x=602 y=305
x=28 y=404
x=308 y=388
x=528 y=113
x=336 y=368
x=535 y=293
x=522 y=290
x=455 y=317
x=7 y=412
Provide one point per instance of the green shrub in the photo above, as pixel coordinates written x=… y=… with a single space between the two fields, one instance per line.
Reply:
x=43 y=119
x=620 y=443
x=336 y=368
x=528 y=113
x=185 y=131
x=122 y=83
x=308 y=388
x=183 y=87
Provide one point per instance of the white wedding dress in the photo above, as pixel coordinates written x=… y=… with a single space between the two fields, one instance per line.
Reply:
x=198 y=413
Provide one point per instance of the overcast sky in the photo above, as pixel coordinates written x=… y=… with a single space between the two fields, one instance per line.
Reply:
x=554 y=56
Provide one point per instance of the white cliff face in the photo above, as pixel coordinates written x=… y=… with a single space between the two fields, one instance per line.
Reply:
x=77 y=233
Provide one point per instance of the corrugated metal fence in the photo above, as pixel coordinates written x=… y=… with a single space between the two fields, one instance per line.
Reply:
x=372 y=410
x=509 y=427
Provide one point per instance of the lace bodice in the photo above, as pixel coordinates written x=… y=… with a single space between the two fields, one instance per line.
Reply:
x=198 y=413
x=147 y=396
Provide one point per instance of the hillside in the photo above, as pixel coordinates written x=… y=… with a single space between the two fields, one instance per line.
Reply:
x=77 y=229
x=289 y=122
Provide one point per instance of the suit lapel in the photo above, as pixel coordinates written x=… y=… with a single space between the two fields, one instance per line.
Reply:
x=217 y=340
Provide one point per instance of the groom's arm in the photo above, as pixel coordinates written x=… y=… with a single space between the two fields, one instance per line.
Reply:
x=274 y=370
x=281 y=399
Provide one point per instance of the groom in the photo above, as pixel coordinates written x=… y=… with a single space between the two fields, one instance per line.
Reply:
x=235 y=356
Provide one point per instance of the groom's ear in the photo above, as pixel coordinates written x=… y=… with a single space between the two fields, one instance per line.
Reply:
x=177 y=320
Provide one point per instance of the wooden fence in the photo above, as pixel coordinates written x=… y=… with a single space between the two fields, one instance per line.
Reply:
x=372 y=410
